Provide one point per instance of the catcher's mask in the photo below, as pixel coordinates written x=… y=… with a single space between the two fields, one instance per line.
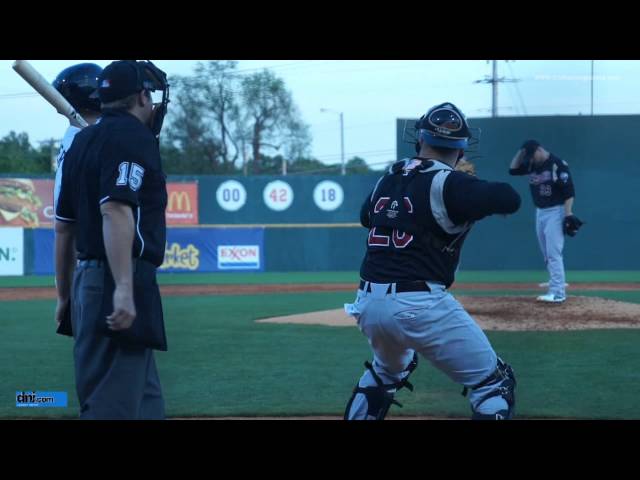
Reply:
x=443 y=126
x=125 y=77
x=155 y=80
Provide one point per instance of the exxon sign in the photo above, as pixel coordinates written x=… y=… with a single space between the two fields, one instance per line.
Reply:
x=238 y=257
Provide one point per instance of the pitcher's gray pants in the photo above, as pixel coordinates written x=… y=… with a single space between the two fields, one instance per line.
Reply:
x=551 y=240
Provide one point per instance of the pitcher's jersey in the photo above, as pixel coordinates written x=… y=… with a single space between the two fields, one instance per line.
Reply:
x=551 y=182
x=418 y=216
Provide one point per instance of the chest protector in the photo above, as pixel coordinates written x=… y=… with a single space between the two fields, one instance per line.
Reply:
x=402 y=201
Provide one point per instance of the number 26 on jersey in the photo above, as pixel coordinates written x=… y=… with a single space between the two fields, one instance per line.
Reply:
x=398 y=238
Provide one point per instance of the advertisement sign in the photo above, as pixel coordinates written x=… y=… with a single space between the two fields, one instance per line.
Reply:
x=43 y=253
x=29 y=203
x=182 y=203
x=214 y=249
x=26 y=202
x=11 y=251
x=238 y=257
x=187 y=250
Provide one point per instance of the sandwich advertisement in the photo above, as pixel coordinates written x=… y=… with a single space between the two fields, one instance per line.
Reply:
x=26 y=202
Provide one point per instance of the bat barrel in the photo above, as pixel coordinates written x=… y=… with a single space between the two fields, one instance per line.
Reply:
x=50 y=94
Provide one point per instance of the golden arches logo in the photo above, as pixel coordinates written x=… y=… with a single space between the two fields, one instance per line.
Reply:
x=179 y=199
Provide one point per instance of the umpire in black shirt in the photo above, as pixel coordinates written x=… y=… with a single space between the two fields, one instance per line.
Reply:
x=112 y=208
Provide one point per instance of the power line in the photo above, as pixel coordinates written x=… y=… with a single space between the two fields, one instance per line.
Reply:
x=377 y=68
x=286 y=66
x=513 y=101
x=350 y=127
x=494 y=80
x=369 y=153
x=9 y=96
x=330 y=168
x=517 y=88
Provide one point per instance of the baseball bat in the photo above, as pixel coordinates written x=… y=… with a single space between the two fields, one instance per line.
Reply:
x=50 y=94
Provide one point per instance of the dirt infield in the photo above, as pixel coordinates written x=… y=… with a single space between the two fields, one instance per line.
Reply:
x=507 y=313
x=514 y=313
x=34 y=293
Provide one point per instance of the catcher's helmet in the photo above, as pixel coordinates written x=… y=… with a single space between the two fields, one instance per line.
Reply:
x=77 y=82
x=444 y=126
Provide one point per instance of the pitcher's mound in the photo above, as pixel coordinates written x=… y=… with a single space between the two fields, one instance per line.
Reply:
x=514 y=313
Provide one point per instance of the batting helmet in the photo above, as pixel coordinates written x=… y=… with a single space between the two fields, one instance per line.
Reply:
x=444 y=126
x=77 y=82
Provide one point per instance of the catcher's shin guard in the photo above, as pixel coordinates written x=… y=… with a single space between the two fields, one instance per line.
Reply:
x=373 y=403
x=503 y=381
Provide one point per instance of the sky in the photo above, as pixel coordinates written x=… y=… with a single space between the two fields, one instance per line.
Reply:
x=372 y=94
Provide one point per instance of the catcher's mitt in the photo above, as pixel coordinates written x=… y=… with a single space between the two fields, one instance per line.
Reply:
x=466 y=166
x=571 y=224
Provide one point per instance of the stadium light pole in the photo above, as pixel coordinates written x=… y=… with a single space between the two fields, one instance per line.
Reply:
x=327 y=110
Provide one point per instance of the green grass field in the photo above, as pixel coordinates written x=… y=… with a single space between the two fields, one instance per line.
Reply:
x=220 y=362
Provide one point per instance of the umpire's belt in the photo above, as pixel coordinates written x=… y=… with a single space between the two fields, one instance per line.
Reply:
x=99 y=263
x=91 y=262
x=401 y=287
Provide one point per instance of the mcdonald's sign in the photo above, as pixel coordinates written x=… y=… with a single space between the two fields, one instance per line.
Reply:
x=182 y=203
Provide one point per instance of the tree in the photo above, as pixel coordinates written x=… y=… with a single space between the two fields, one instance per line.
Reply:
x=271 y=118
x=217 y=79
x=17 y=155
x=202 y=117
x=312 y=166
x=217 y=118
x=357 y=165
x=188 y=131
x=268 y=165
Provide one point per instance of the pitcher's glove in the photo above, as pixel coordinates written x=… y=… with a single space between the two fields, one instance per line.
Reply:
x=571 y=224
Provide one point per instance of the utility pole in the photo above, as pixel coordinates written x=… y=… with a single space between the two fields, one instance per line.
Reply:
x=244 y=156
x=342 y=143
x=342 y=168
x=494 y=80
x=592 y=87
x=494 y=89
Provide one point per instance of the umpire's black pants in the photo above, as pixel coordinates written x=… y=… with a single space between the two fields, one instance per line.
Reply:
x=113 y=380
